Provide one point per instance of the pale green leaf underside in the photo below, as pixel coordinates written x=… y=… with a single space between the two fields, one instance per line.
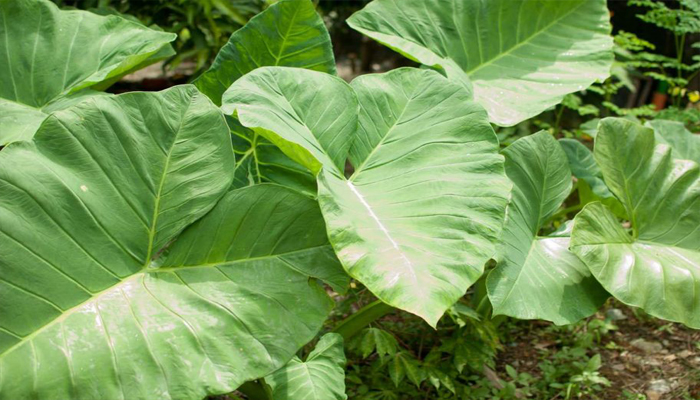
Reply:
x=288 y=33
x=313 y=127
x=537 y=277
x=320 y=377
x=84 y=313
x=422 y=212
x=46 y=53
x=522 y=56
x=684 y=143
x=657 y=266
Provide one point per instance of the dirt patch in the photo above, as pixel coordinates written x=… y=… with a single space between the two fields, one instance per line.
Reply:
x=642 y=356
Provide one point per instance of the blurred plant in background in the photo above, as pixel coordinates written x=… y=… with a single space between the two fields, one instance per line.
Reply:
x=673 y=72
x=202 y=26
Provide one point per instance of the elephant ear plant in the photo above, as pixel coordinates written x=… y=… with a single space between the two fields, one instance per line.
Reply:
x=188 y=242
x=51 y=59
x=92 y=309
x=521 y=57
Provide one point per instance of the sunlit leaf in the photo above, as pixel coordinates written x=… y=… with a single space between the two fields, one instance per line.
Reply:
x=522 y=56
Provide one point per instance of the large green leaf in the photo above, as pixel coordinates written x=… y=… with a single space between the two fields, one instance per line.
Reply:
x=522 y=56
x=87 y=314
x=684 y=143
x=320 y=377
x=418 y=218
x=422 y=212
x=420 y=215
x=537 y=277
x=657 y=265
x=289 y=33
x=313 y=127
x=46 y=53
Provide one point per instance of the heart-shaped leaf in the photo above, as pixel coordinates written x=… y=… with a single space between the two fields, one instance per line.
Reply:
x=656 y=266
x=422 y=212
x=536 y=276
x=87 y=314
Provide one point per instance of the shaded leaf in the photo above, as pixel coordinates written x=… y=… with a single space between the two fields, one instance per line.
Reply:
x=584 y=167
x=288 y=33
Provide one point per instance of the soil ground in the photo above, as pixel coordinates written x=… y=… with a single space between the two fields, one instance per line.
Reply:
x=644 y=355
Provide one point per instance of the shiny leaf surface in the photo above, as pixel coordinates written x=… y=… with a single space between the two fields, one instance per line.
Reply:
x=537 y=277
x=522 y=56
x=420 y=215
x=656 y=266
x=87 y=314
x=47 y=53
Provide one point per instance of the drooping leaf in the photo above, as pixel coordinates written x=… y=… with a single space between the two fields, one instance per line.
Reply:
x=656 y=266
x=537 y=277
x=288 y=33
x=313 y=127
x=684 y=143
x=46 y=54
x=420 y=215
x=522 y=56
x=320 y=377
x=86 y=314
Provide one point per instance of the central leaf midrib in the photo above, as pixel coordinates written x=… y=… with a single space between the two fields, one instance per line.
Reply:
x=384 y=229
x=166 y=167
x=389 y=131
